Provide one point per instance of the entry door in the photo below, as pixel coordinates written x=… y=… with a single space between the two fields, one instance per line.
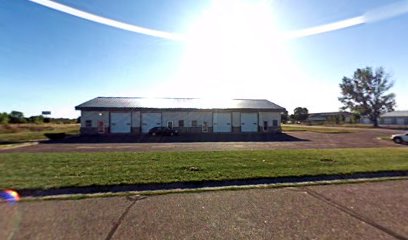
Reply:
x=222 y=122
x=101 y=127
x=150 y=120
x=249 y=122
x=120 y=122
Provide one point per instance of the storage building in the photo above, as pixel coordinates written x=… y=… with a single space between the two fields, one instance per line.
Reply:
x=126 y=115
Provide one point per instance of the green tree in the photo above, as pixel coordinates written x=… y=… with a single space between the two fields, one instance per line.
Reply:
x=300 y=114
x=17 y=117
x=284 y=117
x=355 y=117
x=366 y=93
x=4 y=118
x=36 y=119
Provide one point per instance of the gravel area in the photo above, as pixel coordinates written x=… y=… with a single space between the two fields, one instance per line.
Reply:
x=364 y=138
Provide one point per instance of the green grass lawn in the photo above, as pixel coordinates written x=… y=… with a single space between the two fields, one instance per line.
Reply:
x=53 y=170
x=318 y=129
x=17 y=133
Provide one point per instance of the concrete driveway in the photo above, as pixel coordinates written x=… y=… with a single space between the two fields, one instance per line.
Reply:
x=349 y=211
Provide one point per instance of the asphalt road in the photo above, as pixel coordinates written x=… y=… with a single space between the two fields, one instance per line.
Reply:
x=349 y=211
x=361 y=138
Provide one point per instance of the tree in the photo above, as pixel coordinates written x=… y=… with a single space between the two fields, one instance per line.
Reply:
x=300 y=114
x=4 y=118
x=36 y=119
x=17 y=117
x=284 y=117
x=355 y=117
x=365 y=93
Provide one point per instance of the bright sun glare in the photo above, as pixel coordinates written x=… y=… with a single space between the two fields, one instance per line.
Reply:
x=232 y=51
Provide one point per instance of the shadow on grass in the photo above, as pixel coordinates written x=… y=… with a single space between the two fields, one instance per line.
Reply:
x=9 y=142
x=126 y=138
x=206 y=184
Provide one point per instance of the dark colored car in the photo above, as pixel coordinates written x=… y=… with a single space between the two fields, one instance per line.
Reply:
x=164 y=131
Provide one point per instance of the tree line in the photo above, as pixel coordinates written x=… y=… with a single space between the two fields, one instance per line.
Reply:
x=18 y=117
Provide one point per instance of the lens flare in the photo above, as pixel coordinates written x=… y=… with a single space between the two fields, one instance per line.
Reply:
x=382 y=13
x=9 y=196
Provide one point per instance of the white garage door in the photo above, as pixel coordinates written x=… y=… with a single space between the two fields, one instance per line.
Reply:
x=249 y=122
x=120 y=123
x=150 y=120
x=222 y=122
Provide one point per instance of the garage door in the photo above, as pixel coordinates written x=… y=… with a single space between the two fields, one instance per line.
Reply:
x=222 y=122
x=120 y=123
x=150 y=120
x=249 y=122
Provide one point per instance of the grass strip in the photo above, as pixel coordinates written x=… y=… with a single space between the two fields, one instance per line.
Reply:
x=19 y=133
x=55 y=170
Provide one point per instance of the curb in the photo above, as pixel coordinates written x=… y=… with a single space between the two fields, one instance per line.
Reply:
x=213 y=185
x=208 y=189
x=17 y=145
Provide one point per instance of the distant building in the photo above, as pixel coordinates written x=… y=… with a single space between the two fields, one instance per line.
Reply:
x=329 y=117
x=122 y=115
x=365 y=120
x=395 y=118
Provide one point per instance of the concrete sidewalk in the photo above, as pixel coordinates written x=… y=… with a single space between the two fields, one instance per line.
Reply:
x=349 y=211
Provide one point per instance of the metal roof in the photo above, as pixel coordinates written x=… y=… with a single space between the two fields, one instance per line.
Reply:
x=396 y=114
x=176 y=103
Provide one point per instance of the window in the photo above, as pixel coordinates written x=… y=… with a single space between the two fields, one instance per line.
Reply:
x=406 y=121
x=88 y=123
x=275 y=123
x=170 y=124
x=194 y=123
x=181 y=123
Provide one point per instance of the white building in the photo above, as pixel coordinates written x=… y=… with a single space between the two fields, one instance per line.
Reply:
x=112 y=115
x=395 y=118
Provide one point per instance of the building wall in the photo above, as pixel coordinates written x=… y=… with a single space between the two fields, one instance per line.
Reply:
x=94 y=117
x=365 y=120
x=269 y=117
x=135 y=119
x=326 y=118
x=187 y=116
x=388 y=121
x=236 y=119
x=393 y=121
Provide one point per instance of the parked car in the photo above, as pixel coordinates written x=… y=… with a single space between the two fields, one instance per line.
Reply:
x=164 y=131
x=400 y=138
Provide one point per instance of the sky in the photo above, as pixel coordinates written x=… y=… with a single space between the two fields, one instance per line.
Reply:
x=53 y=61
